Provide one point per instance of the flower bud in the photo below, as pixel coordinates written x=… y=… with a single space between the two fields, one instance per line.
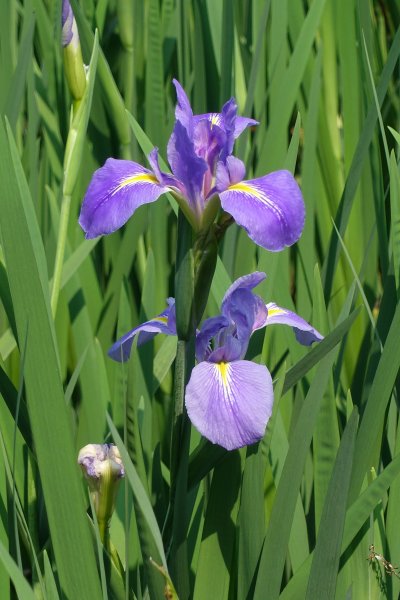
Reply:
x=102 y=466
x=73 y=62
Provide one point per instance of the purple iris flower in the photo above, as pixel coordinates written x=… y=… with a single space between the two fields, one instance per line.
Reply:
x=228 y=399
x=204 y=176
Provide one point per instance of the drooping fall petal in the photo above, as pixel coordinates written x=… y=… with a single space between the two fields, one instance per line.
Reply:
x=230 y=403
x=305 y=333
x=163 y=323
x=270 y=208
x=116 y=190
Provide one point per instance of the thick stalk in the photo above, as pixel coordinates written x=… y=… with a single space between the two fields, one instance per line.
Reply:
x=195 y=265
x=179 y=471
x=184 y=291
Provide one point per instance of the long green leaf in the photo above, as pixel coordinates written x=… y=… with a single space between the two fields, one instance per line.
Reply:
x=47 y=411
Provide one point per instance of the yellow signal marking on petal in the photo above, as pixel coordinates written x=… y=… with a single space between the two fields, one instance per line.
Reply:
x=223 y=368
x=247 y=189
x=162 y=319
x=251 y=190
x=273 y=312
x=144 y=177
x=215 y=119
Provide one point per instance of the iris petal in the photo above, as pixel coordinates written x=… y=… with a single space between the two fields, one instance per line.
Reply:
x=228 y=112
x=239 y=299
x=230 y=403
x=183 y=110
x=187 y=166
x=304 y=332
x=116 y=190
x=210 y=328
x=271 y=209
x=216 y=119
x=247 y=282
x=163 y=323
x=241 y=123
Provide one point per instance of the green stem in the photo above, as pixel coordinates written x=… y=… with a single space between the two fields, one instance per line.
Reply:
x=179 y=414
x=195 y=266
x=104 y=531
x=61 y=242
x=179 y=473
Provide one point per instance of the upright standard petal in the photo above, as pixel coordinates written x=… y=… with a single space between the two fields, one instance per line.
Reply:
x=228 y=113
x=163 y=323
x=271 y=209
x=247 y=282
x=241 y=123
x=187 y=166
x=304 y=332
x=230 y=403
x=239 y=299
x=116 y=190
x=183 y=110
x=210 y=328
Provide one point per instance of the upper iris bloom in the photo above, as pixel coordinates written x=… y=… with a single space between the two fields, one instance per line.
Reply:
x=204 y=172
x=228 y=399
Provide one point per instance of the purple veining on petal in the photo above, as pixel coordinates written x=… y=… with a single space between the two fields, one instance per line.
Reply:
x=230 y=403
x=187 y=166
x=116 y=190
x=228 y=113
x=270 y=208
x=241 y=123
x=209 y=142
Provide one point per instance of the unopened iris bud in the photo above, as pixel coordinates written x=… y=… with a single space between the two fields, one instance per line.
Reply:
x=102 y=466
x=73 y=62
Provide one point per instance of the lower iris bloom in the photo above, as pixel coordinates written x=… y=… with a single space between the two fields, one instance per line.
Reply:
x=205 y=175
x=228 y=399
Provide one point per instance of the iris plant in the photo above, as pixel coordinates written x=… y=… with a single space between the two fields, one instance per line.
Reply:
x=228 y=399
x=205 y=175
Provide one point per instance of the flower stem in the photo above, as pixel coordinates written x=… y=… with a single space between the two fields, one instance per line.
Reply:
x=195 y=266
x=60 y=252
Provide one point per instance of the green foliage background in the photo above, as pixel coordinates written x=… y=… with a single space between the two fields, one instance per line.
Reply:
x=293 y=516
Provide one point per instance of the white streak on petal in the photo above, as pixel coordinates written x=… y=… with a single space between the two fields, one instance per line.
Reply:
x=305 y=333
